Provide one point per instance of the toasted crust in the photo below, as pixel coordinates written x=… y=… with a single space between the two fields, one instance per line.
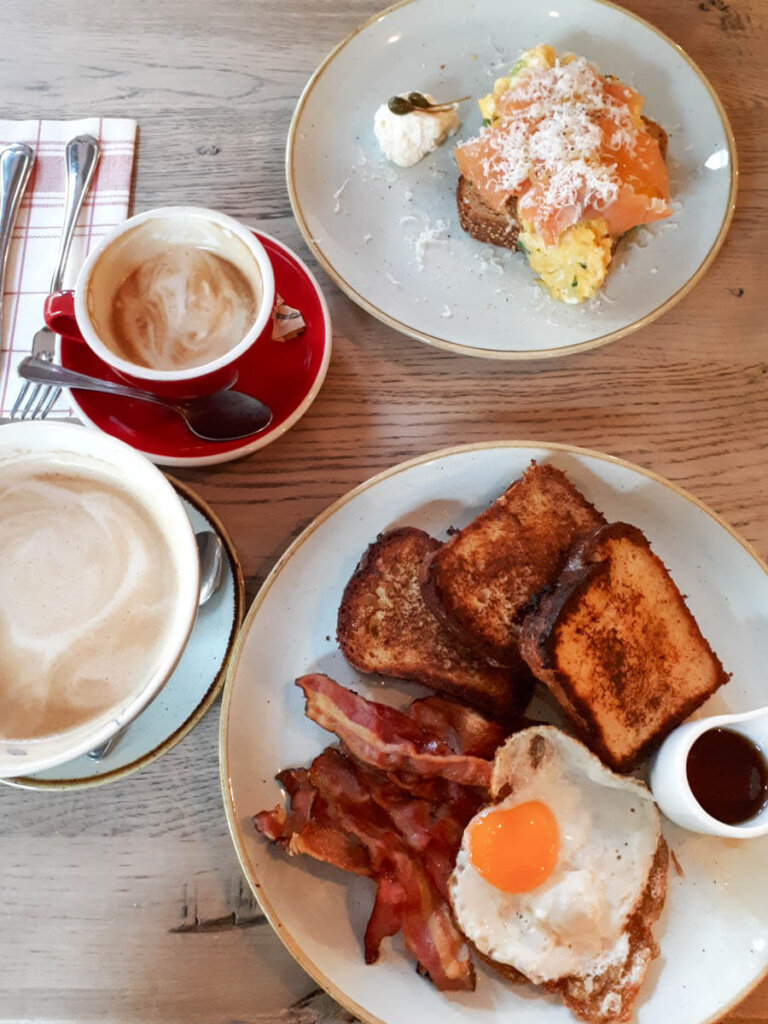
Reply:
x=492 y=227
x=608 y=998
x=384 y=626
x=483 y=223
x=616 y=644
x=480 y=581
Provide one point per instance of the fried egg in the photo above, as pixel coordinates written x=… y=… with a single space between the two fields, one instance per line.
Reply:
x=548 y=874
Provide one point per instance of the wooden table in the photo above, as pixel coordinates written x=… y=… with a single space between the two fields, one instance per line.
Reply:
x=126 y=903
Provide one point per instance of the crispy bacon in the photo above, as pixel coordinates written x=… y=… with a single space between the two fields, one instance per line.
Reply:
x=278 y=824
x=392 y=802
x=386 y=917
x=297 y=833
x=428 y=927
x=461 y=728
x=386 y=738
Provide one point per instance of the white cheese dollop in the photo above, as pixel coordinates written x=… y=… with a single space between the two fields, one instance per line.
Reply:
x=406 y=138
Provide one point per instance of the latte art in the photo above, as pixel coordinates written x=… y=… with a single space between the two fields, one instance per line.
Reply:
x=87 y=585
x=181 y=307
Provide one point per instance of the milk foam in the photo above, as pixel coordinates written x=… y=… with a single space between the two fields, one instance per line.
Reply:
x=87 y=583
x=181 y=307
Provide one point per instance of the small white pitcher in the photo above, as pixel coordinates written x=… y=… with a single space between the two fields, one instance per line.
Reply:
x=669 y=777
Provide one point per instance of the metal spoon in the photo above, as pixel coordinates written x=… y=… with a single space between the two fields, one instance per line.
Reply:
x=211 y=553
x=210 y=550
x=223 y=416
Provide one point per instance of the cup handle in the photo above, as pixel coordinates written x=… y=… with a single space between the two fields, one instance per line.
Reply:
x=59 y=313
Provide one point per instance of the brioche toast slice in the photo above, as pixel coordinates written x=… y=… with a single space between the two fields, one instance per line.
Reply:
x=502 y=228
x=480 y=581
x=616 y=644
x=384 y=626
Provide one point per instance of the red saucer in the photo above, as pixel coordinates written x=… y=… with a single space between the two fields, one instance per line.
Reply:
x=287 y=375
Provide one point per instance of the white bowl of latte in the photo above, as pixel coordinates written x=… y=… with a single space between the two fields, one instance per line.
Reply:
x=99 y=581
x=174 y=294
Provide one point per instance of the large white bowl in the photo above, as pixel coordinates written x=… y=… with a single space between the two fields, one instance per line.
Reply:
x=159 y=497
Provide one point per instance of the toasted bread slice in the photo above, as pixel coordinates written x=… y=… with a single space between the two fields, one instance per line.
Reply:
x=483 y=223
x=487 y=225
x=616 y=644
x=384 y=626
x=480 y=581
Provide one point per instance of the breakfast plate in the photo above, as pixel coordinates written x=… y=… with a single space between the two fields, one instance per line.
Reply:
x=189 y=693
x=389 y=236
x=717 y=906
x=286 y=375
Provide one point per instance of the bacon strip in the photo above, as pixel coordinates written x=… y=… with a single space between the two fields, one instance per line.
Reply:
x=386 y=738
x=461 y=728
x=386 y=918
x=297 y=833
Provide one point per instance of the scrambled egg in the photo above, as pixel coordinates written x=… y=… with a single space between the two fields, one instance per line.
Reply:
x=575 y=268
x=541 y=56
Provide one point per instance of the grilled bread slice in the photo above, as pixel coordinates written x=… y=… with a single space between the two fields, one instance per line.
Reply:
x=480 y=581
x=482 y=222
x=492 y=227
x=616 y=644
x=384 y=626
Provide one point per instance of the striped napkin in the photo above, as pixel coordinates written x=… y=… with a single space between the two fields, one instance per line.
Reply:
x=38 y=227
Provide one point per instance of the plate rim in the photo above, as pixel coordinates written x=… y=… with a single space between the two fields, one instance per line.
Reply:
x=200 y=710
x=239 y=452
x=251 y=877
x=522 y=354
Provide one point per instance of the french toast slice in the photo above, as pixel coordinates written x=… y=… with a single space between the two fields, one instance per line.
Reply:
x=384 y=626
x=502 y=228
x=616 y=644
x=480 y=581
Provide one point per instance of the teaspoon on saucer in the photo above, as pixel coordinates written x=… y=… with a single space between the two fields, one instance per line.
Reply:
x=222 y=416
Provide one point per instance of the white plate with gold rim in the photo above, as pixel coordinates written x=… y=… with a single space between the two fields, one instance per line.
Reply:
x=369 y=222
x=714 y=930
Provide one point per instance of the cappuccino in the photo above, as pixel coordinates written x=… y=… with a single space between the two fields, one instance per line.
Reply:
x=181 y=307
x=87 y=586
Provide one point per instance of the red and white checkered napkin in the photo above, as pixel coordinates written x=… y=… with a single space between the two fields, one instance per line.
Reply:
x=38 y=227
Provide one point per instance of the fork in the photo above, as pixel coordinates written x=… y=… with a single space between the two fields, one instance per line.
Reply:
x=82 y=155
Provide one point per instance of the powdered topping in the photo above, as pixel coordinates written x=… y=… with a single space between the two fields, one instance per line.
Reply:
x=571 y=145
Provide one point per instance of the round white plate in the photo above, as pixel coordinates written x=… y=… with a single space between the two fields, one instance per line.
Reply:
x=188 y=694
x=714 y=931
x=369 y=222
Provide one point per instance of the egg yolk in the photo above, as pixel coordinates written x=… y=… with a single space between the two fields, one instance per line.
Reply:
x=516 y=848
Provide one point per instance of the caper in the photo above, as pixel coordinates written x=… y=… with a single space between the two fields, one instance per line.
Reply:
x=400 y=105
x=418 y=100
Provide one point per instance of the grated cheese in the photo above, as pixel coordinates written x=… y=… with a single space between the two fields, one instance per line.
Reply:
x=554 y=137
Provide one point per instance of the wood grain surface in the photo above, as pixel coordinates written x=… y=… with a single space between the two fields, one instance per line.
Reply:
x=125 y=903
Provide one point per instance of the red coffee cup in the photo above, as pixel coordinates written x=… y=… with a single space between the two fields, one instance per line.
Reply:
x=86 y=313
